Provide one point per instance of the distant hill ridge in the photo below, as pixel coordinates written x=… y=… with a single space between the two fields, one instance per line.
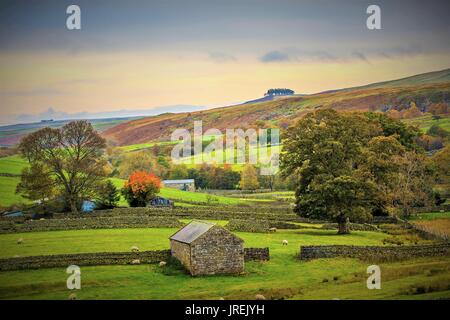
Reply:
x=423 y=89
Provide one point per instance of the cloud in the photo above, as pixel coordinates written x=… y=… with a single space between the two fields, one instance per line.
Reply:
x=31 y=93
x=405 y=51
x=221 y=57
x=360 y=56
x=341 y=56
x=294 y=54
x=274 y=56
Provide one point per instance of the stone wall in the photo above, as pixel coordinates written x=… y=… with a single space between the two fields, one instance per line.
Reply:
x=352 y=226
x=90 y=223
x=248 y=225
x=104 y=258
x=374 y=253
x=285 y=225
x=256 y=254
x=83 y=259
x=216 y=213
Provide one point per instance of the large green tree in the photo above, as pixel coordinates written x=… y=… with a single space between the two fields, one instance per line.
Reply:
x=249 y=178
x=72 y=156
x=324 y=150
x=350 y=165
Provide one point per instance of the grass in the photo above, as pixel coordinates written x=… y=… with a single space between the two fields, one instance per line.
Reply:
x=148 y=145
x=426 y=121
x=283 y=277
x=78 y=241
x=8 y=194
x=431 y=216
x=12 y=165
x=143 y=146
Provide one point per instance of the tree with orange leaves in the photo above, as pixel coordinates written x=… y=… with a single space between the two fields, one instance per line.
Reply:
x=140 y=188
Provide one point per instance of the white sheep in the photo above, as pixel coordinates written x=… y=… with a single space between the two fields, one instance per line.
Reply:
x=162 y=264
x=134 y=249
x=260 y=297
x=273 y=229
x=20 y=241
x=284 y=242
x=73 y=296
x=136 y=261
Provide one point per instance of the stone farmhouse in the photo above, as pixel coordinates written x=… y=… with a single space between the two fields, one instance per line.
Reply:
x=206 y=249
x=184 y=184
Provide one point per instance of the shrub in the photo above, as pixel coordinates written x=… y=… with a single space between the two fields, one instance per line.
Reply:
x=140 y=188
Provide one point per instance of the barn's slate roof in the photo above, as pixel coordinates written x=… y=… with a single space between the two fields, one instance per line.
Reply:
x=181 y=181
x=192 y=231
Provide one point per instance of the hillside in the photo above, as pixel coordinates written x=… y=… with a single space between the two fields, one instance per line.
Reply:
x=423 y=89
x=11 y=134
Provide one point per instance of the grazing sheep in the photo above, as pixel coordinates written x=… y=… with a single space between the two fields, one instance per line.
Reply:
x=273 y=229
x=134 y=249
x=20 y=241
x=284 y=242
x=72 y=296
x=162 y=264
x=260 y=297
x=136 y=261
x=41 y=219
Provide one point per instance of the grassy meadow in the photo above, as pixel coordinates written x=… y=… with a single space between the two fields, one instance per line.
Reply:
x=426 y=121
x=283 y=277
x=13 y=165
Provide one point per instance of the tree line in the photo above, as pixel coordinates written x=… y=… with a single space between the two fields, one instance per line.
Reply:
x=351 y=166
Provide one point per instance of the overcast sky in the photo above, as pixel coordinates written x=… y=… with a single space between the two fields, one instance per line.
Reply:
x=146 y=54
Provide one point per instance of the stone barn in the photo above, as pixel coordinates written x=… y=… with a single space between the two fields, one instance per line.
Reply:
x=184 y=184
x=206 y=248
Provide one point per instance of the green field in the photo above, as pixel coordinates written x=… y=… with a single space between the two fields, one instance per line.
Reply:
x=8 y=194
x=431 y=216
x=12 y=165
x=425 y=122
x=283 y=277
x=181 y=198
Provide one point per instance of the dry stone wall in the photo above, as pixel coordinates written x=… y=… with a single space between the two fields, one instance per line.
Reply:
x=83 y=259
x=248 y=225
x=104 y=258
x=374 y=253
x=256 y=254
x=90 y=223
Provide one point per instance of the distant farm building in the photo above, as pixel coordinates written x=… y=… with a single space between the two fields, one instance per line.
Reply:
x=206 y=249
x=160 y=202
x=184 y=184
x=279 y=92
